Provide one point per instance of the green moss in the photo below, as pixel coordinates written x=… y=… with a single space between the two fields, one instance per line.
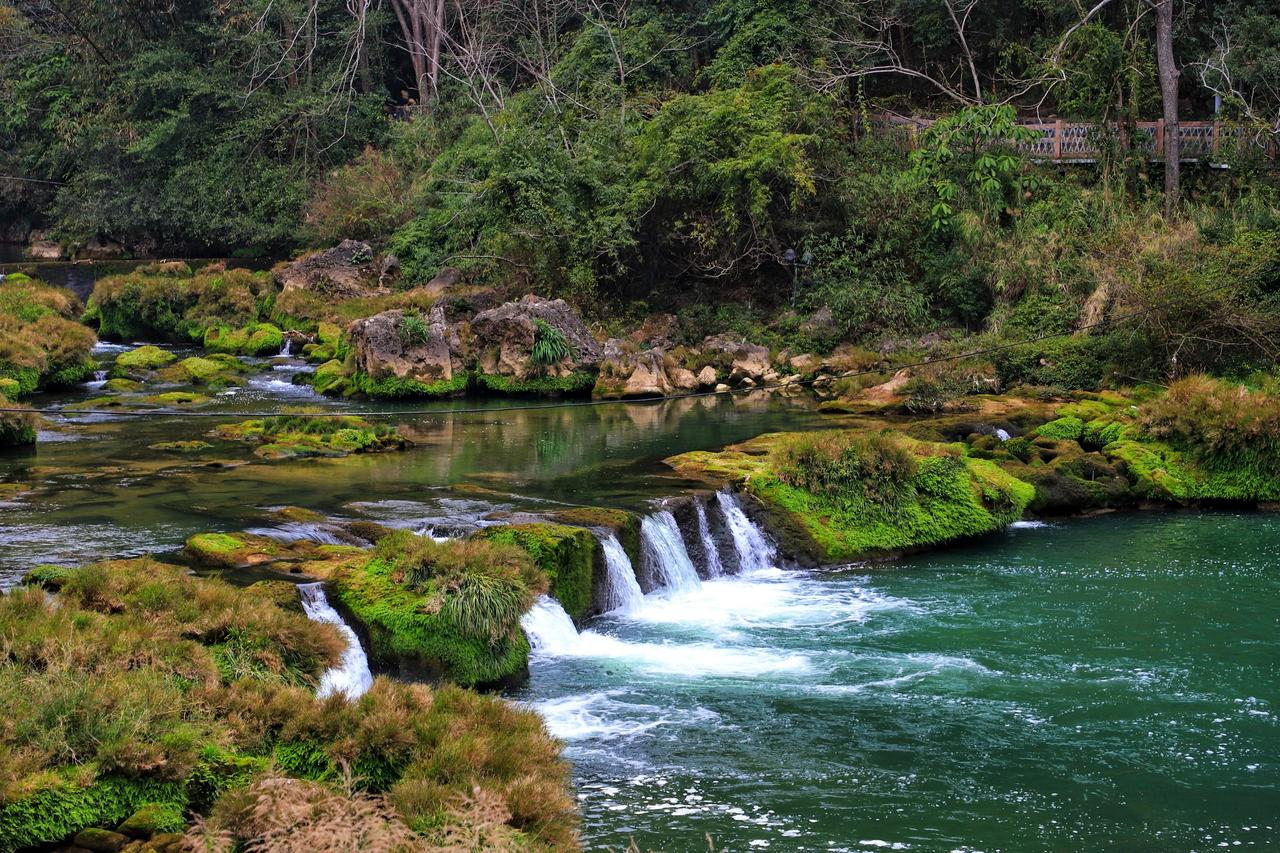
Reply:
x=122 y=385
x=214 y=371
x=625 y=525
x=10 y=388
x=154 y=819
x=407 y=629
x=330 y=377
x=176 y=398
x=280 y=593
x=143 y=358
x=394 y=387
x=1162 y=472
x=180 y=446
x=27 y=379
x=948 y=497
x=233 y=550
x=16 y=430
x=295 y=436
x=1069 y=428
x=578 y=382
x=58 y=813
x=567 y=555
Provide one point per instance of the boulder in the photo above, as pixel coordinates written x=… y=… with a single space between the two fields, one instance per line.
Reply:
x=805 y=363
x=745 y=360
x=347 y=270
x=403 y=353
x=504 y=339
x=891 y=389
x=658 y=331
x=45 y=250
x=707 y=377
x=683 y=379
x=100 y=840
x=628 y=372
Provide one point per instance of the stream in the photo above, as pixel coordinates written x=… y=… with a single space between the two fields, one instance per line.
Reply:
x=1103 y=683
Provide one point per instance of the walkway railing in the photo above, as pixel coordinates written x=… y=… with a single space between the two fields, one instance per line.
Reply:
x=1068 y=141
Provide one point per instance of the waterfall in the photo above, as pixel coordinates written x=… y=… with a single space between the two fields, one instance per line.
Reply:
x=286 y=348
x=351 y=677
x=548 y=627
x=754 y=551
x=622 y=591
x=1002 y=434
x=714 y=567
x=660 y=537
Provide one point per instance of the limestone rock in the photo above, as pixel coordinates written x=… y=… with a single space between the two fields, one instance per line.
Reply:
x=683 y=379
x=707 y=377
x=805 y=363
x=345 y=271
x=746 y=360
x=504 y=338
x=384 y=347
x=100 y=840
x=722 y=388
x=45 y=250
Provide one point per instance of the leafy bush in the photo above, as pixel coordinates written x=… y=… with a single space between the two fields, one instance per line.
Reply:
x=363 y=200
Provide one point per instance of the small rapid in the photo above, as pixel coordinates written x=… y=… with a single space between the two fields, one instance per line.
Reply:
x=754 y=550
x=352 y=677
x=667 y=557
x=622 y=592
x=714 y=567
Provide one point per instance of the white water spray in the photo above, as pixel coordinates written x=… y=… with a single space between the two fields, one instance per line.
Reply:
x=351 y=677
x=714 y=567
x=549 y=628
x=622 y=593
x=1002 y=434
x=661 y=542
x=754 y=551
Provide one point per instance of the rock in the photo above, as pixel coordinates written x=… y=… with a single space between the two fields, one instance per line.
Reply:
x=683 y=379
x=100 y=249
x=722 y=388
x=504 y=339
x=805 y=363
x=345 y=271
x=402 y=353
x=891 y=389
x=45 y=250
x=658 y=331
x=155 y=818
x=748 y=382
x=100 y=840
x=649 y=379
x=746 y=360
x=443 y=280
x=707 y=377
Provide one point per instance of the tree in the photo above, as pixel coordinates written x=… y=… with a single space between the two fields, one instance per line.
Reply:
x=1167 y=68
x=422 y=24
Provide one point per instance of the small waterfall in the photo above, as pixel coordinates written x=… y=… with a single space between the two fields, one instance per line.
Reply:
x=352 y=677
x=660 y=537
x=287 y=348
x=754 y=551
x=294 y=531
x=1002 y=434
x=622 y=592
x=714 y=567
x=548 y=627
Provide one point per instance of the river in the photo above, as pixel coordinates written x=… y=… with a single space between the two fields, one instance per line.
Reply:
x=1108 y=683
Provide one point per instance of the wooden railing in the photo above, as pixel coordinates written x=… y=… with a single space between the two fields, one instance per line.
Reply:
x=1068 y=141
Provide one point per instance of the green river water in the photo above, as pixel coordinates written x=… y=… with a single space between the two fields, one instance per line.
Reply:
x=1097 y=684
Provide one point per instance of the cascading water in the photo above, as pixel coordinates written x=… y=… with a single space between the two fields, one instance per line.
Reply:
x=660 y=539
x=754 y=550
x=292 y=531
x=287 y=348
x=352 y=677
x=714 y=567
x=549 y=628
x=1002 y=434
x=622 y=593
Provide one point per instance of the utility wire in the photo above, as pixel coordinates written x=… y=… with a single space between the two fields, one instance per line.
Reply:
x=572 y=404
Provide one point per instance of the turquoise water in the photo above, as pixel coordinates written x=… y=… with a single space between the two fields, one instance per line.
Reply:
x=1086 y=685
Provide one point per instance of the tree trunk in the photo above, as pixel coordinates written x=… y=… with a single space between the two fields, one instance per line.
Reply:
x=1168 y=70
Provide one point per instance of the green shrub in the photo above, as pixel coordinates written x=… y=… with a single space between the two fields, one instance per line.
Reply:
x=413 y=330
x=549 y=344
x=874 y=466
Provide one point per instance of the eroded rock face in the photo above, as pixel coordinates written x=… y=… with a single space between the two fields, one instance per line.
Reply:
x=385 y=347
x=347 y=270
x=503 y=339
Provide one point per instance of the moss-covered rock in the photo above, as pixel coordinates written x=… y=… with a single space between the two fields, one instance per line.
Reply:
x=1162 y=472
x=282 y=594
x=17 y=429
x=140 y=360
x=217 y=370
x=258 y=339
x=446 y=610
x=296 y=436
x=569 y=556
x=623 y=524
x=153 y=819
x=10 y=388
x=941 y=495
x=180 y=446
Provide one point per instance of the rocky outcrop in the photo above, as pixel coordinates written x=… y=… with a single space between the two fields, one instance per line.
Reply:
x=628 y=372
x=402 y=353
x=347 y=270
x=504 y=341
x=744 y=361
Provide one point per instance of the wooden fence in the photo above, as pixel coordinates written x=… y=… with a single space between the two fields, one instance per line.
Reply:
x=1068 y=141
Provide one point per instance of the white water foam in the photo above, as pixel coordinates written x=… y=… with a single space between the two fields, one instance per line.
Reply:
x=754 y=550
x=551 y=633
x=622 y=591
x=1002 y=434
x=661 y=541
x=351 y=677
x=714 y=567
x=605 y=715
x=292 y=531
